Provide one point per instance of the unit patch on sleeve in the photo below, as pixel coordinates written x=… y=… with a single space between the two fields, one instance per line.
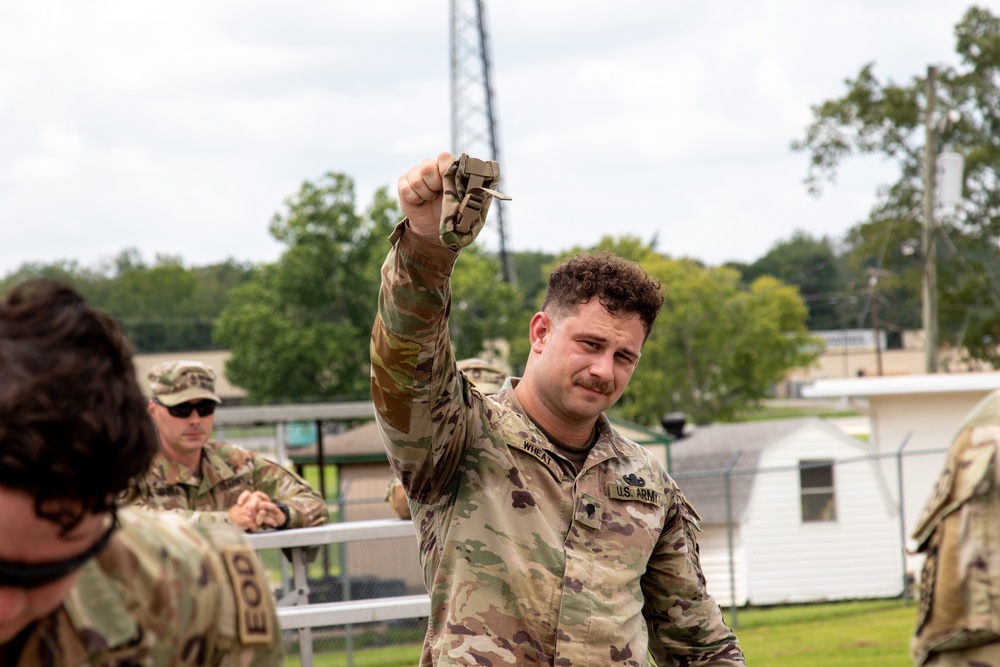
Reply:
x=253 y=606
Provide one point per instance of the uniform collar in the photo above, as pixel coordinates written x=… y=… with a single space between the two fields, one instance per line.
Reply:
x=168 y=471
x=609 y=443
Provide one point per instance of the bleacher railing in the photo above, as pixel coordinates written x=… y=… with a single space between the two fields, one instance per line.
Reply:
x=294 y=610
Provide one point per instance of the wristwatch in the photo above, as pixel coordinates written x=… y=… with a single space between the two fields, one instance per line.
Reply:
x=288 y=517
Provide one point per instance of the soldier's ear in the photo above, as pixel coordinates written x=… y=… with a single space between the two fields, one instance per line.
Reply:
x=539 y=331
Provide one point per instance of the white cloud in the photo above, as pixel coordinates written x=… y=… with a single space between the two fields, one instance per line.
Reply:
x=180 y=127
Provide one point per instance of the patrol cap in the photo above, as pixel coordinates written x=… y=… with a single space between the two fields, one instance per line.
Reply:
x=486 y=377
x=176 y=382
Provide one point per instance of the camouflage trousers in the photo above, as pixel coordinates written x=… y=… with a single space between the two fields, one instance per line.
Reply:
x=981 y=656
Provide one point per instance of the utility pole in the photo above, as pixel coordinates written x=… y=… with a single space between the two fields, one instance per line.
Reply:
x=474 y=126
x=930 y=310
x=873 y=276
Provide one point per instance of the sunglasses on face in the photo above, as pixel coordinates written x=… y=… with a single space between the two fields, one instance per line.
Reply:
x=35 y=575
x=184 y=410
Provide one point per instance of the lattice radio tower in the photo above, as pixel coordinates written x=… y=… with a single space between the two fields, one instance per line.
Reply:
x=474 y=126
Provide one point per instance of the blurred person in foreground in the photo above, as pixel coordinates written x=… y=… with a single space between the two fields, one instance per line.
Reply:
x=546 y=537
x=82 y=581
x=482 y=375
x=958 y=622
x=208 y=481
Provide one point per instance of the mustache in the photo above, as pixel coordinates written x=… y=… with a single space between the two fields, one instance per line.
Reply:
x=596 y=385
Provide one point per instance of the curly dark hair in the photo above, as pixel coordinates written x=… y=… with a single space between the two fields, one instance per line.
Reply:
x=621 y=286
x=73 y=422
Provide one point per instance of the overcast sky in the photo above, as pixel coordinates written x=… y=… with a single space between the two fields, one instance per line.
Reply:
x=181 y=127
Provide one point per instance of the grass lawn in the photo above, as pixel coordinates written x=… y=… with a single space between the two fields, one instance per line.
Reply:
x=311 y=475
x=384 y=656
x=872 y=633
x=849 y=634
x=766 y=412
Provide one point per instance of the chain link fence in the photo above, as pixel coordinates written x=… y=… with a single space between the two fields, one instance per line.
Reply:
x=819 y=530
x=364 y=570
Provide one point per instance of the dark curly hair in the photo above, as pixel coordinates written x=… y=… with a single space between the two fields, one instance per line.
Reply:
x=621 y=286
x=73 y=423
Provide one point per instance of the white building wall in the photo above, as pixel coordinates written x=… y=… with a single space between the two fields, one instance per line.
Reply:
x=931 y=421
x=856 y=556
x=713 y=545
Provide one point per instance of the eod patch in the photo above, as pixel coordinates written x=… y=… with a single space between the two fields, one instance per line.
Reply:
x=254 y=606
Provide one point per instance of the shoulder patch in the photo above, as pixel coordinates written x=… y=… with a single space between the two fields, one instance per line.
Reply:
x=254 y=615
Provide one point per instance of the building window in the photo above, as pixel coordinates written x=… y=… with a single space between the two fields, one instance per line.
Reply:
x=816 y=482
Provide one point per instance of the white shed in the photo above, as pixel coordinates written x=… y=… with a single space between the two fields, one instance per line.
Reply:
x=803 y=515
x=915 y=416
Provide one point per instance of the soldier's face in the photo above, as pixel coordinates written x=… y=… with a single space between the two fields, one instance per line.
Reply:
x=27 y=539
x=585 y=360
x=181 y=437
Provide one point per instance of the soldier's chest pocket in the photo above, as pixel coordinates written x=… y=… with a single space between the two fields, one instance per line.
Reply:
x=630 y=515
x=236 y=484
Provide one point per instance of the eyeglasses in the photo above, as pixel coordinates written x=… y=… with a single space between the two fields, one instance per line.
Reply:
x=36 y=575
x=184 y=410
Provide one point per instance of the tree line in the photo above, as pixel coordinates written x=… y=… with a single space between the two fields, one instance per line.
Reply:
x=298 y=328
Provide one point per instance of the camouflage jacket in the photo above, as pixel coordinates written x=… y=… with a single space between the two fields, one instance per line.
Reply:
x=163 y=592
x=526 y=561
x=958 y=621
x=226 y=471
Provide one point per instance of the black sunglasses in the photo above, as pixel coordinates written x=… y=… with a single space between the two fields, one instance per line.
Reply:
x=184 y=410
x=36 y=575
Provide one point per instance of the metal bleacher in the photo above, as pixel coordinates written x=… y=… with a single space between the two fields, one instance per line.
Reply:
x=294 y=610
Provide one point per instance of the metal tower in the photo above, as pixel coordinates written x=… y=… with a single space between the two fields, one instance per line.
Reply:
x=474 y=126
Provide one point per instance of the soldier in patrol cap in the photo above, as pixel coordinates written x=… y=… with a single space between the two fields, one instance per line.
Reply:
x=958 y=623
x=83 y=582
x=210 y=481
x=546 y=537
x=481 y=374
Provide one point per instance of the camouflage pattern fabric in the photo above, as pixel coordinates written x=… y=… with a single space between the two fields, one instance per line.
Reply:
x=226 y=471
x=396 y=497
x=958 y=622
x=526 y=561
x=162 y=594
x=176 y=382
x=468 y=191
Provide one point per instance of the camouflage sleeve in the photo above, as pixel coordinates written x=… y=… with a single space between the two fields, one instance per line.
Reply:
x=198 y=593
x=140 y=497
x=685 y=623
x=196 y=516
x=305 y=506
x=415 y=387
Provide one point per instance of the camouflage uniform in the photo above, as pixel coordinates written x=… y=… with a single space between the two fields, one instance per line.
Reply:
x=226 y=470
x=486 y=378
x=526 y=561
x=163 y=592
x=958 y=623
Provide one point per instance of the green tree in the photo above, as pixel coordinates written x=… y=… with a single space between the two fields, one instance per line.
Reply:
x=887 y=119
x=299 y=329
x=718 y=346
x=531 y=269
x=165 y=307
x=483 y=307
x=811 y=265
